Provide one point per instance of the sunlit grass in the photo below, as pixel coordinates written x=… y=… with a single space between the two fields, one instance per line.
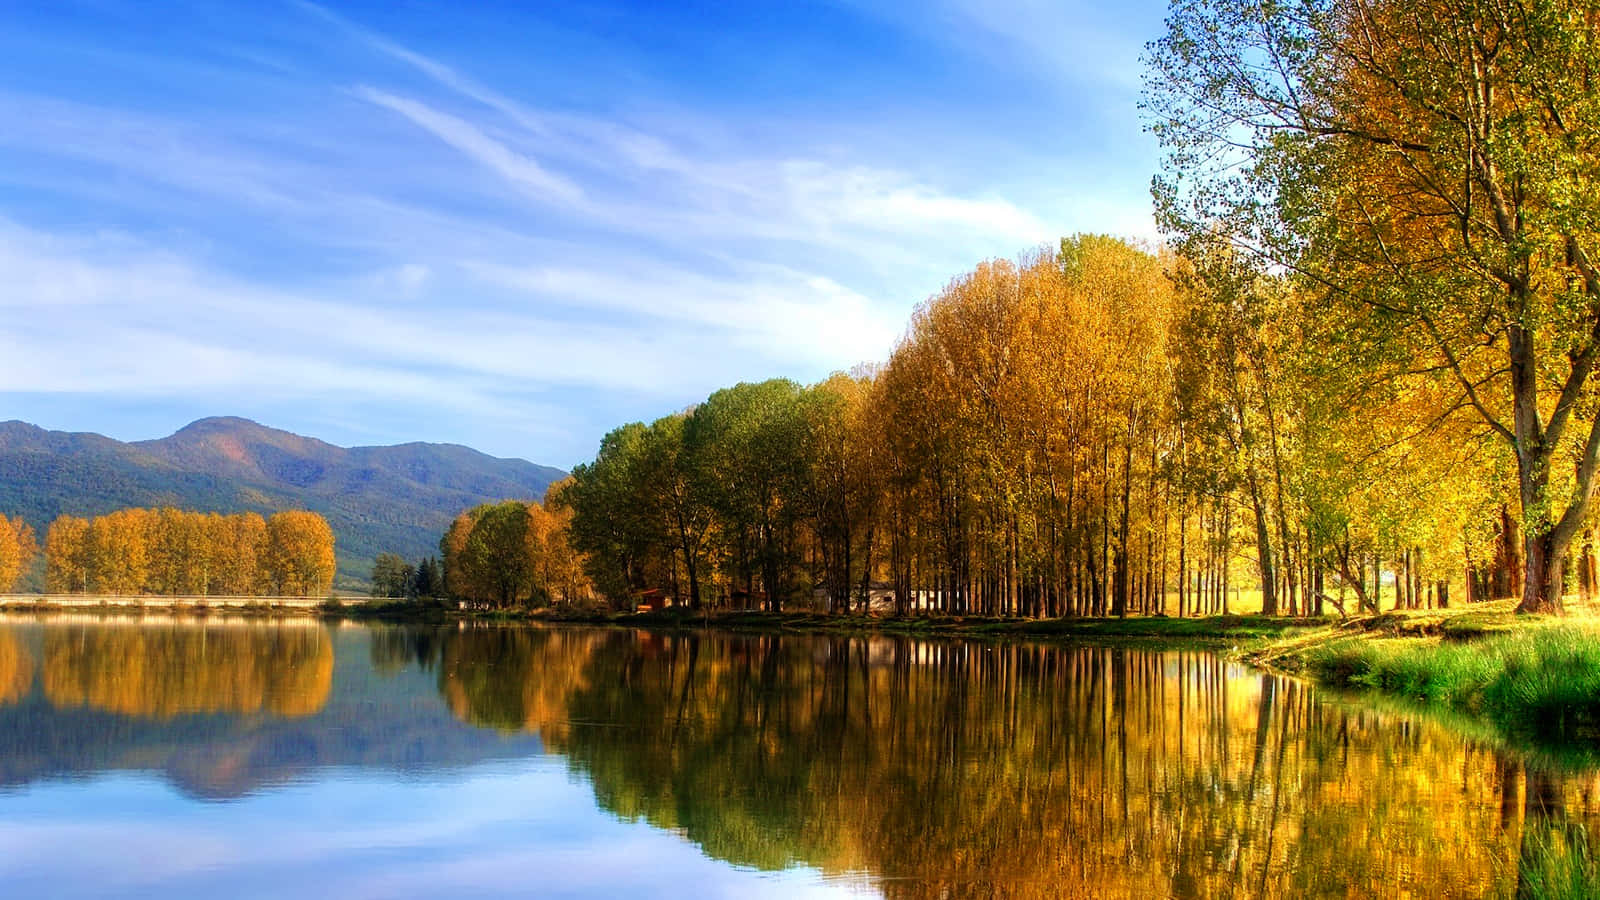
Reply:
x=1541 y=681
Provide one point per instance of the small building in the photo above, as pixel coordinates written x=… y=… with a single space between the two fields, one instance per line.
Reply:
x=654 y=600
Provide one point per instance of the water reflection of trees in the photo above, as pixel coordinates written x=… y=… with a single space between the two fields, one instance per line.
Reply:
x=509 y=679
x=16 y=669
x=162 y=671
x=1014 y=770
x=254 y=736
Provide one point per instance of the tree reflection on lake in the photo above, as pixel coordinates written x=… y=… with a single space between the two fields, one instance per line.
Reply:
x=928 y=768
x=160 y=672
x=1021 y=770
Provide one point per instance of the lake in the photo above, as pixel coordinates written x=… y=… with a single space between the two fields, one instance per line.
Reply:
x=150 y=756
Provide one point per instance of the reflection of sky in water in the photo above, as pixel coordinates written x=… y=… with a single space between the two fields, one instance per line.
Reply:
x=507 y=828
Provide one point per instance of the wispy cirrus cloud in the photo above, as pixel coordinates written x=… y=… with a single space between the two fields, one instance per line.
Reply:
x=515 y=167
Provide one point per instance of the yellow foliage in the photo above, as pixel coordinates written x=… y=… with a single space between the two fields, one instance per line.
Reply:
x=164 y=671
x=181 y=553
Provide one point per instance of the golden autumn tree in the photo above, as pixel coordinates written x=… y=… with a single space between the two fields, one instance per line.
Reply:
x=239 y=552
x=66 y=546
x=299 y=557
x=844 y=490
x=561 y=576
x=118 y=552
x=17 y=549
x=171 y=552
x=458 y=579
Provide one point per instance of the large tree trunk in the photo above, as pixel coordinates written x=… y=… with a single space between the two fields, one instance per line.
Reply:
x=1542 y=545
x=1544 y=537
x=1541 y=581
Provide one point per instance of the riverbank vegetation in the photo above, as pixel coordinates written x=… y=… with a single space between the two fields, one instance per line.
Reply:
x=1540 y=682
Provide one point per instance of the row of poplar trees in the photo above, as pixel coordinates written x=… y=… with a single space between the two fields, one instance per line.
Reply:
x=173 y=552
x=1092 y=429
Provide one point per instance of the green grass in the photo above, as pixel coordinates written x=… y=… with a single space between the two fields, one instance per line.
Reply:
x=1541 y=682
x=1558 y=864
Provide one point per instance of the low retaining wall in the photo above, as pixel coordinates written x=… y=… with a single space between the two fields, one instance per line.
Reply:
x=92 y=601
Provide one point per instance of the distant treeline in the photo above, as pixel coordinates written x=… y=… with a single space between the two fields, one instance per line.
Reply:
x=174 y=552
x=393 y=578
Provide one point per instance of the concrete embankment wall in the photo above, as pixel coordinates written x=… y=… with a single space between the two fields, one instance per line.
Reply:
x=97 y=601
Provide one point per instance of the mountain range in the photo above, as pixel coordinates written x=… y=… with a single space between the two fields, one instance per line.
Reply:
x=395 y=499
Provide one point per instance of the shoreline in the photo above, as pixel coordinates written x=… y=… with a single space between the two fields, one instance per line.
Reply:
x=1532 y=682
x=1216 y=628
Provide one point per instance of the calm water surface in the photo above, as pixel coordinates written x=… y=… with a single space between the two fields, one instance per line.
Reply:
x=164 y=758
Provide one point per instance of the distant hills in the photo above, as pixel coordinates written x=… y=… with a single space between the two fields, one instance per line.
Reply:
x=397 y=499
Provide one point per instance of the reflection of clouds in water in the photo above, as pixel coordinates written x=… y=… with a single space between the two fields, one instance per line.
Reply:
x=509 y=829
x=16 y=669
x=161 y=671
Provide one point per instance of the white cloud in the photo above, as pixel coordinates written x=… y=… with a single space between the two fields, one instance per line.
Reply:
x=515 y=167
x=144 y=322
x=888 y=202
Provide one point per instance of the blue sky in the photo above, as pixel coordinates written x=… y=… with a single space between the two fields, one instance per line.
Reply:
x=515 y=226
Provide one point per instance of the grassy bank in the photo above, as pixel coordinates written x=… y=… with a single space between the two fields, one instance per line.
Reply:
x=1535 y=679
x=1541 y=682
x=1557 y=864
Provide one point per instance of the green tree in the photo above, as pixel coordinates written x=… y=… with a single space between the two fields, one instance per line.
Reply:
x=392 y=576
x=499 y=557
x=675 y=497
x=749 y=444
x=615 y=523
x=427 y=579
